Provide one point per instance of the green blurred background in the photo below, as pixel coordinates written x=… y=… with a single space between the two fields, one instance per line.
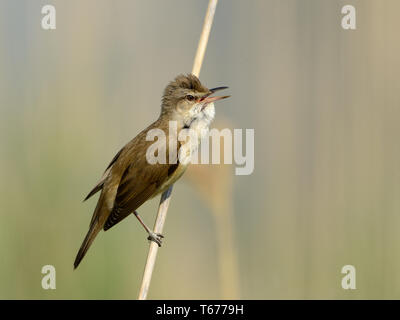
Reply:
x=325 y=106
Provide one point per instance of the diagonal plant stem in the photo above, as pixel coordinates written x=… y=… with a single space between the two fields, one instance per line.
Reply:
x=166 y=196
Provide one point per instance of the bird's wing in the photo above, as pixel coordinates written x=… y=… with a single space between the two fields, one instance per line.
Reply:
x=140 y=182
x=100 y=184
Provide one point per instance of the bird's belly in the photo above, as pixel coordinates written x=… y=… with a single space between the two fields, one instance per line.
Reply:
x=185 y=153
x=172 y=179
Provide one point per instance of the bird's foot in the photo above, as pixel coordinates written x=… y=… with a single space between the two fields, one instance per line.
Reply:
x=156 y=237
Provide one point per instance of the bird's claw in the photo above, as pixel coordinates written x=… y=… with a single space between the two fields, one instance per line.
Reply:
x=156 y=237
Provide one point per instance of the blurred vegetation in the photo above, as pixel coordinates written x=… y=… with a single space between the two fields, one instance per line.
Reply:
x=324 y=103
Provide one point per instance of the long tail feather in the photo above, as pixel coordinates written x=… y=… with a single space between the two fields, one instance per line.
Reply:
x=90 y=236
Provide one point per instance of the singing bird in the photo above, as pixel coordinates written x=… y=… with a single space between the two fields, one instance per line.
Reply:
x=130 y=179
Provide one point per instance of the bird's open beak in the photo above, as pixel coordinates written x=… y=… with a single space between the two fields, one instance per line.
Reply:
x=207 y=99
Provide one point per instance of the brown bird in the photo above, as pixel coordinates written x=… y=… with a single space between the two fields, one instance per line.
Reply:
x=131 y=179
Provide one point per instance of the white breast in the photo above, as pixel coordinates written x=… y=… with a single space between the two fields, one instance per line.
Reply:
x=197 y=130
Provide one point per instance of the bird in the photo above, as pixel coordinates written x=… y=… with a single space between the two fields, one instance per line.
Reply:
x=131 y=179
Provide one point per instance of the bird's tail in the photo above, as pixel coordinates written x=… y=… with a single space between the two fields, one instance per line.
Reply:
x=90 y=236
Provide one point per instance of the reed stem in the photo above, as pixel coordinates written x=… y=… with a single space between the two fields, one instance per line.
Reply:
x=166 y=196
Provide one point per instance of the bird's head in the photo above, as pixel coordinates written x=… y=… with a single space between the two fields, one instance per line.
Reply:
x=186 y=99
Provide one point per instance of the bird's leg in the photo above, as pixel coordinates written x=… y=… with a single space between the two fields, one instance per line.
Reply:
x=156 y=237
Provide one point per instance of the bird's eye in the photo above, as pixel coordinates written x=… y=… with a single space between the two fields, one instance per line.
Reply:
x=190 y=97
